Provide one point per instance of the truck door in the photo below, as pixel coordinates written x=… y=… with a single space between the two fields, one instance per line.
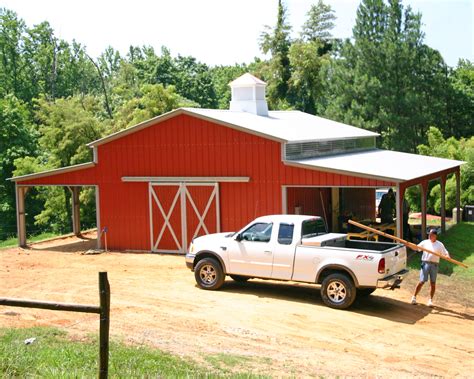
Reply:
x=284 y=251
x=253 y=254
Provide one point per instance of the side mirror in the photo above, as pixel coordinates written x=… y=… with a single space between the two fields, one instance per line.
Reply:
x=238 y=237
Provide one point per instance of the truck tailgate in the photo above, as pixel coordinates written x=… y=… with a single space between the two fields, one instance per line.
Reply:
x=395 y=260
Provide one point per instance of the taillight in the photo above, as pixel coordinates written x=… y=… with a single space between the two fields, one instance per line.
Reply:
x=382 y=266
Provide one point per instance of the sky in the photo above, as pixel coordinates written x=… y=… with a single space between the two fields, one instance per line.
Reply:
x=224 y=31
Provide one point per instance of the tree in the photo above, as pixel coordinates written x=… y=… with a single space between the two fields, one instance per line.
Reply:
x=318 y=26
x=12 y=78
x=277 y=41
x=305 y=84
x=387 y=80
x=65 y=126
x=17 y=139
x=451 y=148
x=153 y=100
x=460 y=100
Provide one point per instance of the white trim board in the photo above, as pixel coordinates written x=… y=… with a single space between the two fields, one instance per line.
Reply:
x=186 y=179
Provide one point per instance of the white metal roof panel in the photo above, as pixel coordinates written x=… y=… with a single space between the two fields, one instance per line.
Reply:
x=380 y=164
x=287 y=126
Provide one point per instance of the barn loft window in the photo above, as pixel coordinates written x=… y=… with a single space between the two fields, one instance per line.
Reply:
x=314 y=149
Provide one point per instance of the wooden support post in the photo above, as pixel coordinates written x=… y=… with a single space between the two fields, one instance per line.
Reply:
x=399 y=210
x=20 y=214
x=335 y=209
x=424 y=193
x=104 y=293
x=76 y=213
x=458 y=196
x=443 y=203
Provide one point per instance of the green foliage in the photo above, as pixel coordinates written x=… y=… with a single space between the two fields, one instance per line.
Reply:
x=277 y=41
x=17 y=139
x=387 y=80
x=305 y=84
x=53 y=354
x=451 y=148
x=320 y=21
x=153 y=100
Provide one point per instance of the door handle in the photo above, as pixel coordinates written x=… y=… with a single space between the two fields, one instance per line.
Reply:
x=223 y=248
x=267 y=252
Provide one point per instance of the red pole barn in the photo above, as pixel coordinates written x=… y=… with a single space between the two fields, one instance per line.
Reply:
x=192 y=171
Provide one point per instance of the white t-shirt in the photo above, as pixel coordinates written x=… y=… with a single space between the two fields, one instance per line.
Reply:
x=437 y=247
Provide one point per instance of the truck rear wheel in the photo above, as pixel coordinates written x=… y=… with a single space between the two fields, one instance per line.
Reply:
x=239 y=278
x=208 y=274
x=338 y=291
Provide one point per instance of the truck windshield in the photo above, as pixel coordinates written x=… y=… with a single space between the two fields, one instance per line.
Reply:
x=313 y=227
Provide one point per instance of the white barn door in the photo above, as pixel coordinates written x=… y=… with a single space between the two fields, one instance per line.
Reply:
x=180 y=212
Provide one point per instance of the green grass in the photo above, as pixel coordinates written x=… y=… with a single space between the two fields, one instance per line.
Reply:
x=230 y=363
x=13 y=241
x=54 y=355
x=459 y=241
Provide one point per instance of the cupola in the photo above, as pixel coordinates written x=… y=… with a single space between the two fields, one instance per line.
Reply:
x=248 y=95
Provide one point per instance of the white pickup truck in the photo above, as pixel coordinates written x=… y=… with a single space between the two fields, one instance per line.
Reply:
x=298 y=248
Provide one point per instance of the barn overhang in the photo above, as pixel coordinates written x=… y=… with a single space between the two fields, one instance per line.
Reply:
x=72 y=177
x=403 y=170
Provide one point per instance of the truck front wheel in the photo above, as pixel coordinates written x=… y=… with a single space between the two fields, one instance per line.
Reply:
x=208 y=274
x=338 y=291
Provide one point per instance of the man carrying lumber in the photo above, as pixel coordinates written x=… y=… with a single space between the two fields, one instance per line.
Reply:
x=429 y=264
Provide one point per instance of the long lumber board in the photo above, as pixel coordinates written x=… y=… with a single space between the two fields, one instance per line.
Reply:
x=406 y=243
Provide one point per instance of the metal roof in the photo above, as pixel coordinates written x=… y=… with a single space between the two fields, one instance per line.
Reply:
x=281 y=126
x=55 y=171
x=288 y=126
x=247 y=80
x=379 y=164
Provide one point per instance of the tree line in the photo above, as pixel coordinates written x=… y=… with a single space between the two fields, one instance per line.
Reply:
x=54 y=97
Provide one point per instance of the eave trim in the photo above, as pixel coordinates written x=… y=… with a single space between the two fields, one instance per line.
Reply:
x=57 y=171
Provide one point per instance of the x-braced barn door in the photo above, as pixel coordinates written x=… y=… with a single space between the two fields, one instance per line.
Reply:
x=180 y=212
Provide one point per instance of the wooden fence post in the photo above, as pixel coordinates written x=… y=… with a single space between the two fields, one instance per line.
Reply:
x=104 y=293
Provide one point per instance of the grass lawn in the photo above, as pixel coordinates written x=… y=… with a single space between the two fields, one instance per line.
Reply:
x=53 y=354
x=459 y=241
x=13 y=241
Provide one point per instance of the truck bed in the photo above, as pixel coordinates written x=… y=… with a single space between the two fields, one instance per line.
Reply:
x=339 y=241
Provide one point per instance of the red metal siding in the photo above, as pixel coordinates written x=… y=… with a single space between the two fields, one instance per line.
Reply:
x=187 y=146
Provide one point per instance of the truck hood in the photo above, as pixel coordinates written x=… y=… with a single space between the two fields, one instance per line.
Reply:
x=212 y=238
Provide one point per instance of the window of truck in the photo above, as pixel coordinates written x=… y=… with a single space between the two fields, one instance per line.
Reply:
x=313 y=227
x=259 y=232
x=285 y=234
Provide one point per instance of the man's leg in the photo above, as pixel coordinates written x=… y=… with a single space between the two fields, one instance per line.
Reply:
x=423 y=279
x=418 y=288
x=432 y=289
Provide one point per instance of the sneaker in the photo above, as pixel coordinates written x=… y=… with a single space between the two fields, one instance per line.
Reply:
x=430 y=303
x=413 y=300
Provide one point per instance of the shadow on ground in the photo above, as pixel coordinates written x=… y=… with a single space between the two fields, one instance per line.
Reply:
x=374 y=306
x=85 y=243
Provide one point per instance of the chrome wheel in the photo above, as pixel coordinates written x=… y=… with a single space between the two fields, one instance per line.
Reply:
x=336 y=291
x=208 y=274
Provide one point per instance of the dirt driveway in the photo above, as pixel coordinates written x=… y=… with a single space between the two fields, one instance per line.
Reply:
x=284 y=329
